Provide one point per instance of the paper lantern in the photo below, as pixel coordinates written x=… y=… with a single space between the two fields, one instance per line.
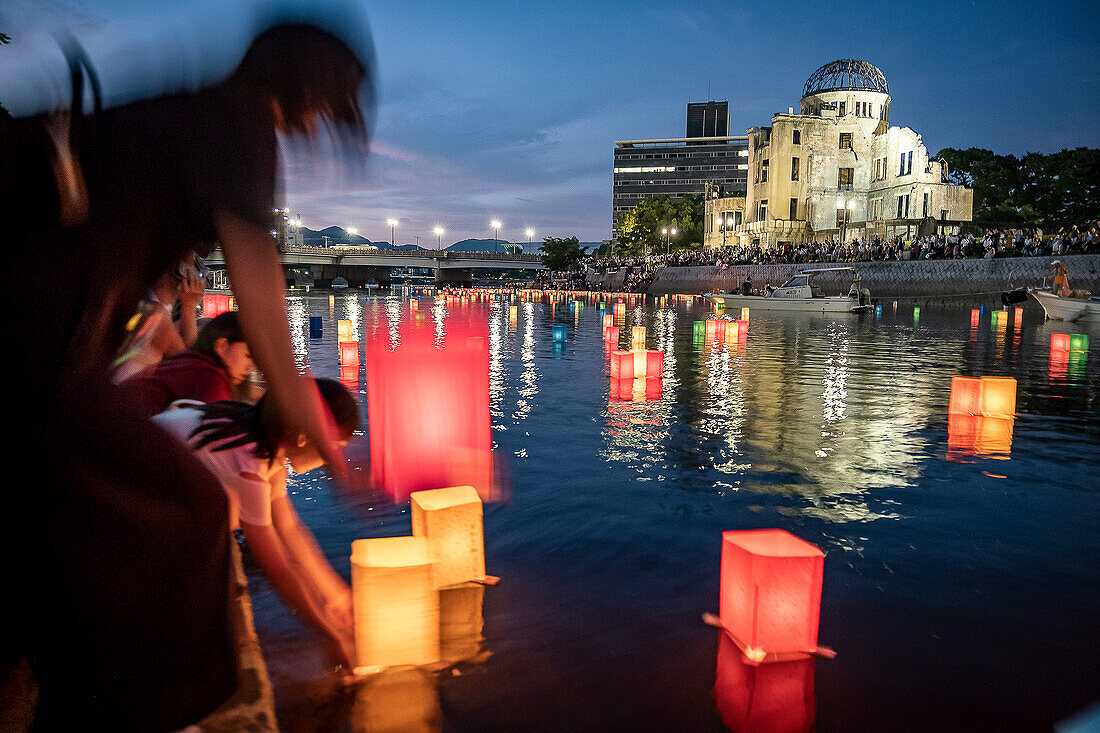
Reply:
x=559 y=332
x=998 y=396
x=637 y=334
x=916 y=315
x=395 y=604
x=739 y=332
x=698 y=330
x=413 y=304
x=349 y=377
x=764 y=698
x=420 y=395
x=461 y=621
x=622 y=365
x=608 y=320
x=316 y=327
x=655 y=363
x=1019 y=312
x=720 y=330
x=975 y=314
x=966 y=396
x=513 y=312
x=770 y=592
x=712 y=329
x=993 y=436
x=214 y=304
x=745 y=313
x=641 y=360
x=349 y=353
x=611 y=334
x=1079 y=342
x=343 y=331
x=450 y=519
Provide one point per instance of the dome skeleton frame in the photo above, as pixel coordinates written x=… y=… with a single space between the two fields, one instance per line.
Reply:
x=844 y=74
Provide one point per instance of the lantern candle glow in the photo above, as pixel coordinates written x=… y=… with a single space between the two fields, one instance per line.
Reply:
x=451 y=520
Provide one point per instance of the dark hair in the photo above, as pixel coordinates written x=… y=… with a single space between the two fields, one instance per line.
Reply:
x=261 y=423
x=225 y=326
x=308 y=72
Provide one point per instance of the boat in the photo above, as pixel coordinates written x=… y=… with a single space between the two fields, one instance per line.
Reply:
x=800 y=293
x=1067 y=308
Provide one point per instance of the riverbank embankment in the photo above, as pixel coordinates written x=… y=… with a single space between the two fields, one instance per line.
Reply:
x=945 y=280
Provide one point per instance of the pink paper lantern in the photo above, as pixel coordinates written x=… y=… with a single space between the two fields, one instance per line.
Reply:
x=655 y=363
x=611 y=334
x=771 y=593
x=622 y=365
x=742 y=330
x=349 y=353
x=966 y=396
x=428 y=410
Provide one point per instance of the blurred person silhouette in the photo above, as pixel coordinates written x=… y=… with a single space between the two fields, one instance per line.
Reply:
x=120 y=566
x=247 y=448
x=214 y=369
x=152 y=333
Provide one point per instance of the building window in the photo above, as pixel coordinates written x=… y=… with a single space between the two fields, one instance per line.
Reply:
x=840 y=108
x=845 y=140
x=736 y=218
x=794 y=209
x=943 y=214
x=901 y=167
x=762 y=211
x=840 y=217
x=903 y=206
x=924 y=211
x=844 y=178
x=909 y=163
x=796 y=137
x=764 y=172
x=876 y=209
x=794 y=169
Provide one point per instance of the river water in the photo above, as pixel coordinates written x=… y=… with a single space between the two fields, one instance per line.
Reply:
x=962 y=580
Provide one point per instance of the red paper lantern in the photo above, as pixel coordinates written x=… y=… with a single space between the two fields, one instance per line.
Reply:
x=770 y=593
x=1059 y=342
x=737 y=332
x=428 y=410
x=712 y=329
x=655 y=363
x=622 y=365
x=720 y=329
x=349 y=376
x=214 y=304
x=611 y=334
x=966 y=396
x=975 y=314
x=349 y=353
x=764 y=698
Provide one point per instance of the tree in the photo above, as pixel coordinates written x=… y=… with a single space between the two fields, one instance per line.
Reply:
x=640 y=229
x=561 y=253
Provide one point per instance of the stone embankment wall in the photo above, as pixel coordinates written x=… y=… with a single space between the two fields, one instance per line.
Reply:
x=934 y=279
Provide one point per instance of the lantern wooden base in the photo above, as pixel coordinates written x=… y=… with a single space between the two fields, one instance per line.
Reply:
x=759 y=656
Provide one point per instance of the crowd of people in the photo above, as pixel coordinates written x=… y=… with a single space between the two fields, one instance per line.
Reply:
x=639 y=271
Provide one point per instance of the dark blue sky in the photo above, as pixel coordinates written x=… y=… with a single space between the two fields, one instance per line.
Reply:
x=506 y=110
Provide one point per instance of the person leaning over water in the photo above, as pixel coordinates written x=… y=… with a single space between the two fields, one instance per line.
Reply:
x=124 y=625
x=247 y=447
x=216 y=364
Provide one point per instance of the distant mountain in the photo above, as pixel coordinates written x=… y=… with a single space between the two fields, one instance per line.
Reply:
x=336 y=236
x=478 y=245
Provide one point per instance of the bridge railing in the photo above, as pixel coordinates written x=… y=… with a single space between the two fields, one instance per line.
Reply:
x=415 y=253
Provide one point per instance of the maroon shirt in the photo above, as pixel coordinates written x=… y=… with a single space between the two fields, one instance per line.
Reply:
x=186 y=376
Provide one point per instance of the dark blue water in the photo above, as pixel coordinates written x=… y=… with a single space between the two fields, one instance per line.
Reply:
x=959 y=594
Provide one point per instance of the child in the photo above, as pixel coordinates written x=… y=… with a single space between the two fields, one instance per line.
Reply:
x=247 y=447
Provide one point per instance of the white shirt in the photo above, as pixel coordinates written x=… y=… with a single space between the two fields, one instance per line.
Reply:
x=256 y=482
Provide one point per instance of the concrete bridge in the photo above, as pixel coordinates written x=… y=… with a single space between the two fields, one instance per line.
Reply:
x=321 y=265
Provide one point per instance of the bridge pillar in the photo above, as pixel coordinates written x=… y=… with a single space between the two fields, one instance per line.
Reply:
x=454 y=276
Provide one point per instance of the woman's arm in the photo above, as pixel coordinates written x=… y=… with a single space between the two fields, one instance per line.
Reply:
x=260 y=288
x=267 y=547
x=303 y=549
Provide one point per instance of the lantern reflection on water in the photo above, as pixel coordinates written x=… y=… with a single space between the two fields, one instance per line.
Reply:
x=395 y=603
x=461 y=621
x=640 y=389
x=451 y=520
x=349 y=377
x=401 y=699
x=764 y=698
x=611 y=334
x=770 y=593
x=608 y=320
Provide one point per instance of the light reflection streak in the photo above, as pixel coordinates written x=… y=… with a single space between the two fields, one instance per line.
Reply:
x=353 y=311
x=528 y=380
x=297 y=311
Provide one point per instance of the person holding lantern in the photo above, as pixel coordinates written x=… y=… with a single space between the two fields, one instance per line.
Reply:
x=120 y=582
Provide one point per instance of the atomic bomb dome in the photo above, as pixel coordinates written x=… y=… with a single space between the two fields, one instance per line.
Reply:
x=846 y=75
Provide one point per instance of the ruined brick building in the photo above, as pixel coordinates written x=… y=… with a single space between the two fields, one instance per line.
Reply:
x=837 y=170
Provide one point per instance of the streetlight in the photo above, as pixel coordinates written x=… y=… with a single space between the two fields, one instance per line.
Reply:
x=393 y=226
x=530 y=235
x=495 y=224
x=438 y=233
x=352 y=231
x=668 y=234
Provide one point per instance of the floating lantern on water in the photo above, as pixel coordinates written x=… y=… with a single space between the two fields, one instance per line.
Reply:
x=975 y=314
x=738 y=332
x=988 y=396
x=611 y=334
x=1079 y=342
x=699 y=330
x=1059 y=342
x=637 y=336
x=608 y=320
x=744 y=313
x=349 y=353
x=343 y=331
x=878 y=311
x=712 y=329
x=214 y=304
x=966 y=396
x=622 y=365
x=316 y=327
x=461 y=621
x=559 y=332
x=395 y=603
x=419 y=395
x=451 y=520
x=916 y=315
x=771 y=594
x=764 y=698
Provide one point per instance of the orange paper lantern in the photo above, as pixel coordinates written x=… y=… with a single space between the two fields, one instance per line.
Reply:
x=966 y=396
x=738 y=331
x=712 y=329
x=343 y=331
x=637 y=334
x=764 y=698
x=998 y=397
x=770 y=592
x=608 y=320
x=745 y=313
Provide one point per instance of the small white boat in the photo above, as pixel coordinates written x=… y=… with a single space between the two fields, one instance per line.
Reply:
x=1062 y=308
x=801 y=294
